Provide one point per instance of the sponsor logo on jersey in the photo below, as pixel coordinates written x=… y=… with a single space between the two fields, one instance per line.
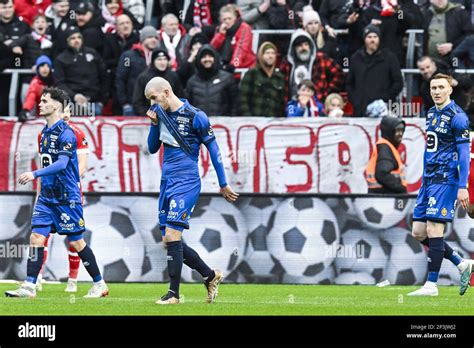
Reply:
x=172 y=204
x=441 y=130
x=210 y=131
x=67 y=147
x=431 y=201
x=465 y=134
x=65 y=217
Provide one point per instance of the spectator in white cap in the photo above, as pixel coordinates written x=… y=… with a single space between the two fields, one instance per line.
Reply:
x=324 y=42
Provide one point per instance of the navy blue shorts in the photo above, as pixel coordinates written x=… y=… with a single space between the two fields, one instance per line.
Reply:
x=178 y=196
x=435 y=203
x=64 y=219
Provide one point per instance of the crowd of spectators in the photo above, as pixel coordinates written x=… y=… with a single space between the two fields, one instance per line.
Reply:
x=102 y=53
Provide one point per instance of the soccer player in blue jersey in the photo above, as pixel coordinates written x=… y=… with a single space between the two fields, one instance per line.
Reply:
x=182 y=129
x=59 y=204
x=445 y=175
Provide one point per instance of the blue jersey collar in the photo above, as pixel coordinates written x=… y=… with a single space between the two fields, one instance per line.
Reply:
x=446 y=107
x=57 y=124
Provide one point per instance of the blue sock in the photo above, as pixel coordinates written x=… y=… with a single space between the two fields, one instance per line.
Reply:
x=89 y=262
x=435 y=258
x=175 y=264
x=194 y=261
x=35 y=261
x=449 y=253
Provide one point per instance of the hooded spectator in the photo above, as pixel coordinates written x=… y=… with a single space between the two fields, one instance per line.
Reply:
x=386 y=170
x=81 y=72
x=160 y=67
x=233 y=40
x=90 y=25
x=374 y=75
x=193 y=41
x=131 y=64
x=211 y=89
x=33 y=45
x=60 y=19
x=304 y=62
x=263 y=87
x=44 y=78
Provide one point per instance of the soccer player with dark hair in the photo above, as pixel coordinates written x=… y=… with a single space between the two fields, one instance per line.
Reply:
x=445 y=175
x=59 y=204
x=182 y=129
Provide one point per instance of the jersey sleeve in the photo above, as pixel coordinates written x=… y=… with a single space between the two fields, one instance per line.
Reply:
x=67 y=143
x=460 y=125
x=82 y=143
x=203 y=128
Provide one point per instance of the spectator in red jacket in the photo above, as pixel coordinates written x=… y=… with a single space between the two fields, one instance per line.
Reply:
x=233 y=40
x=29 y=9
x=43 y=78
x=304 y=62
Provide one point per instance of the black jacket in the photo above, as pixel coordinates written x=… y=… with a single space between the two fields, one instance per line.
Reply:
x=131 y=64
x=458 y=25
x=31 y=50
x=14 y=29
x=373 y=77
x=114 y=46
x=140 y=103
x=59 y=33
x=386 y=161
x=93 y=34
x=82 y=72
x=214 y=91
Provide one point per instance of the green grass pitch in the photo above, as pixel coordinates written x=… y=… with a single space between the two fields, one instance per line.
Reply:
x=239 y=299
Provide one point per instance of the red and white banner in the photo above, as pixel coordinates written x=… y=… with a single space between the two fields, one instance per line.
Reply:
x=260 y=154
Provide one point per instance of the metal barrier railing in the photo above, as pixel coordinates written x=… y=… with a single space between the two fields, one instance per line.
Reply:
x=14 y=86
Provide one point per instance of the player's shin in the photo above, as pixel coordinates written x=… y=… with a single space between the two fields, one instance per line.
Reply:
x=74 y=262
x=175 y=264
x=194 y=261
x=435 y=258
x=449 y=254
x=88 y=260
x=34 y=264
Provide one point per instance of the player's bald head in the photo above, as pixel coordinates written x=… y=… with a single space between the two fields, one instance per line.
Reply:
x=157 y=84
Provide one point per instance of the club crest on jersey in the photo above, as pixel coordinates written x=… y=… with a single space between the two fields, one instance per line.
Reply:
x=433 y=122
x=444 y=212
x=184 y=216
x=81 y=222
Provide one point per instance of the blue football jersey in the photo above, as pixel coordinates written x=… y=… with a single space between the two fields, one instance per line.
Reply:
x=193 y=124
x=62 y=187
x=445 y=129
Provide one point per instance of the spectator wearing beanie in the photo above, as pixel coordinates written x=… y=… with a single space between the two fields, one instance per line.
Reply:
x=263 y=87
x=374 y=75
x=81 y=72
x=324 y=42
x=131 y=64
x=60 y=19
x=211 y=89
x=159 y=67
x=44 y=78
x=193 y=41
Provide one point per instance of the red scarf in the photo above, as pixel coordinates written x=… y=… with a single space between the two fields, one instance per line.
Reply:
x=202 y=13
